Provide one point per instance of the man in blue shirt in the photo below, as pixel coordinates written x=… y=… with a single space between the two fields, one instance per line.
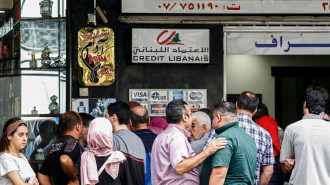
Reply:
x=138 y=121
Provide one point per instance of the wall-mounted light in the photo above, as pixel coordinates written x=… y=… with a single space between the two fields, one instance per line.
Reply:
x=102 y=15
x=46 y=8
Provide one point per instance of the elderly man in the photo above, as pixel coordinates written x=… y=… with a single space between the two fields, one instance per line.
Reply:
x=306 y=142
x=235 y=164
x=173 y=161
x=200 y=130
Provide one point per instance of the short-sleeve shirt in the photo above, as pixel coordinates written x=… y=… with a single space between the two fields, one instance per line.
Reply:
x=130 y=144
x=307 y=141
x=9 y=163
x=66 y=145
x=148 y=138
x=265 y=153
x=170 y=148
x=239 y=156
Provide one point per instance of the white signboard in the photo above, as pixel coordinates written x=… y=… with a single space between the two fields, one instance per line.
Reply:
x=278 y=43
x=158 y=99
x=171 y=46
x=226 y=7
x=139 y=95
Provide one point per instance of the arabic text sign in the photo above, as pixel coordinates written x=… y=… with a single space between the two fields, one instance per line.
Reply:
x=226 y=7
x=96 y=56
x=170 y=46
x=278 y=43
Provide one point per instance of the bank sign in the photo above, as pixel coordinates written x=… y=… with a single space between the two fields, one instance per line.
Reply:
x=190 y=46
x=226 y=7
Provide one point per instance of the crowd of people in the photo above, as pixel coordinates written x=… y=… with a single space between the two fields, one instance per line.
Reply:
x=232 y=144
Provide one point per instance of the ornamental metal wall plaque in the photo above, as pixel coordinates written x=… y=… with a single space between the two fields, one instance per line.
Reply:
x=96 y=56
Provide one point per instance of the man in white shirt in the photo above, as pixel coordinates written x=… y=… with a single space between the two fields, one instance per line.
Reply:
x=305 y=148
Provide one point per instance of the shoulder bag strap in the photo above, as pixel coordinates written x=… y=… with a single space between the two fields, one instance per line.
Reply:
x=102 y=168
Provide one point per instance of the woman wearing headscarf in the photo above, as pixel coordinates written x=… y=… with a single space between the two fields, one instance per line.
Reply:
x=158 y=124
x=14 y=167
x=101 y=165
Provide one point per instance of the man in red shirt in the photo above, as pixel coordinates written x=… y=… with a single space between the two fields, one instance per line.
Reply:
x=268 y=123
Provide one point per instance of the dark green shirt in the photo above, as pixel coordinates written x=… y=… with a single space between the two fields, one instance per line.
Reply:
x=239 y=156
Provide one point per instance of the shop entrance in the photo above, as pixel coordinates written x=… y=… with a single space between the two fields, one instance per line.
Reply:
x=290 y=83
x=279 y=78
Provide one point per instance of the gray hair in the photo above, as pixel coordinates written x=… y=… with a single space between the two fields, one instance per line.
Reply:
x=202 y=118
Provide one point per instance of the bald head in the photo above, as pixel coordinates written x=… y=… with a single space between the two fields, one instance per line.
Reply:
x=138 y=116
x=133 y=104
x=139 y=110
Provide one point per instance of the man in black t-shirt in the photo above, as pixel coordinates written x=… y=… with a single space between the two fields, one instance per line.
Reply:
x=62 y=165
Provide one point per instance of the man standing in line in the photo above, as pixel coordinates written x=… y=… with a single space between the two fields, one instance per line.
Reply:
x=127 y=142
x=86 y=118
x=200 y=130
x=268 y=123
x=236 y=163
x=62 y=165
x=305 y=148
x=173 y=161
x=246 y=106
x=138 y=122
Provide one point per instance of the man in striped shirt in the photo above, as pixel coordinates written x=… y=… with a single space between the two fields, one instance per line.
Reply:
x=246 y=106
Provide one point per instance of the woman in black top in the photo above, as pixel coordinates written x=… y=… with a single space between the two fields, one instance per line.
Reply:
x=102 y=165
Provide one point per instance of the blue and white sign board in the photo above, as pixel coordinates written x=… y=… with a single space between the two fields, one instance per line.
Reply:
x=188 y=46
x=278 y=43
x=139 y=95
x=226 y=7
x=156 y=100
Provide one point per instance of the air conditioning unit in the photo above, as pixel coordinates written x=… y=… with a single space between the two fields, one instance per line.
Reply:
x=6 y=4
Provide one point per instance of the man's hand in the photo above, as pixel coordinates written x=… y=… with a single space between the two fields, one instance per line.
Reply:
x=190 y=163
x=289 y=163
x=215 y=145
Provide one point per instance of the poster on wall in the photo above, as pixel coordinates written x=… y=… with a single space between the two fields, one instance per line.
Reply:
x=226 y=7
x=189 y=46
x=80 y=105
x=156 y=100
x=94 y=106
x=96 y=56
